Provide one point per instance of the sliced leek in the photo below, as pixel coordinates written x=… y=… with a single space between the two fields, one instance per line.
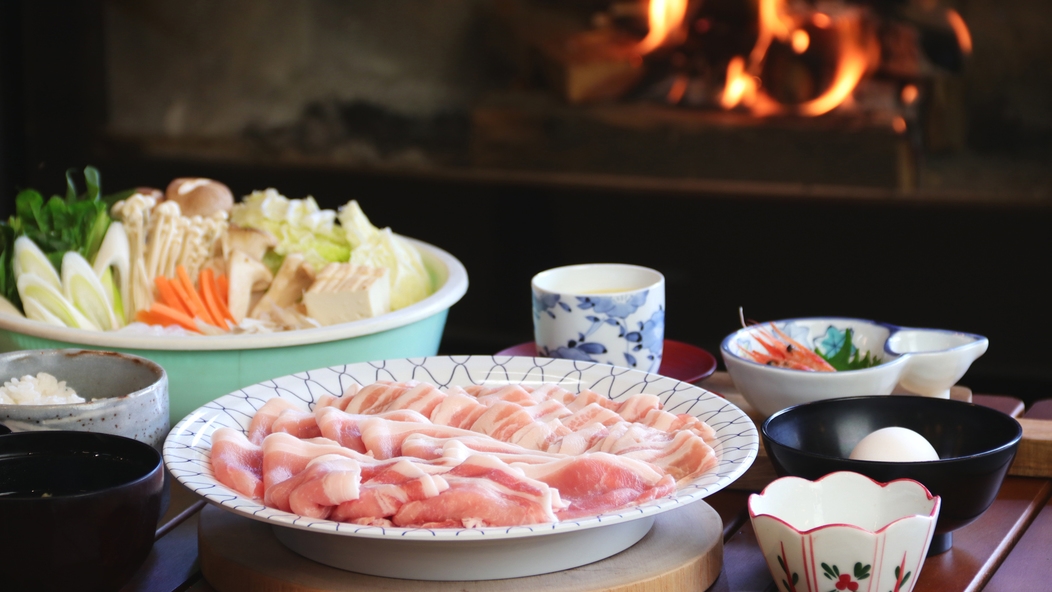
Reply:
x=30 y=259
x=7 y=308
x=82 y=288
x=115 y=253
x=43 y=302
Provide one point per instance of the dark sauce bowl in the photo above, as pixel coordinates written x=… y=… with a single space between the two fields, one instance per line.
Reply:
x=975 y=444
x=78 y=510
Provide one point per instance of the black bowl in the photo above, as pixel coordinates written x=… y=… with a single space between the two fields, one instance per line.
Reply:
x=78 y=510
x=975 y=444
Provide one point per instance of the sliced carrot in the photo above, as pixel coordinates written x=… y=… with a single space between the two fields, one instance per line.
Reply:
x=188 y=300
x=167 y=294
x=221 y=296
x=145 y=316
x=162 y=314
x=206 y=285
x=196 y=304
x=224 y=289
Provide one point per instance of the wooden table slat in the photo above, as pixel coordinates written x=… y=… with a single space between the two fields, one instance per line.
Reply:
x=1029 y=565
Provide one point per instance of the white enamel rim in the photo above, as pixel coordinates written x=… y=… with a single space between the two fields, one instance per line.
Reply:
x=850 y=478
x=452 y=289
x=187 y=448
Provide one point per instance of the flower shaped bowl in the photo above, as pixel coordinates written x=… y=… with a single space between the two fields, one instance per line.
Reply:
x=922 y=361
x=975 y=445
x=844 y=532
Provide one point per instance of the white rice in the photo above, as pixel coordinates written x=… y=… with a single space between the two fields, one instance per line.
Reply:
x=42 y=389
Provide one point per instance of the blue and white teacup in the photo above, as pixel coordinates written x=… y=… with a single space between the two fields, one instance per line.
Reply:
x=610 y=313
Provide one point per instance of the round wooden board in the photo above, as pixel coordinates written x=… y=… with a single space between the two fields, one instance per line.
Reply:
x=683 y=551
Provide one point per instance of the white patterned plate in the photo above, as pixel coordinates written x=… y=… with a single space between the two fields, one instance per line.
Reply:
x=188 y=447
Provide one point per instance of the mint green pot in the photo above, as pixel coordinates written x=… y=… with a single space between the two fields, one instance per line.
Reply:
x=202 y=368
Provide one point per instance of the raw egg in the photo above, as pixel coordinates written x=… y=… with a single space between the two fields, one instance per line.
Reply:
x=894 y=444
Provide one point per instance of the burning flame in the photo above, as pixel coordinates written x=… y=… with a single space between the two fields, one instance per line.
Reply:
x=666 y=19
x=960 y=29
x=740 y=87
x=778 y=23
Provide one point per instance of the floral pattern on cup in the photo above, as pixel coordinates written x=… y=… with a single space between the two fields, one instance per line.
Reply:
x=816 y=537
x=643 y=342
x=845 y=581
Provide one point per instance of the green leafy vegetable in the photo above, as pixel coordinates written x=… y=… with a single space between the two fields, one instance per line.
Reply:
x=299 y=225
x=846 y=359
x=77 y=222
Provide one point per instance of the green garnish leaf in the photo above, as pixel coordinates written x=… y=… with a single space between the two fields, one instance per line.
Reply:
x=846 y=359
x=77 y=222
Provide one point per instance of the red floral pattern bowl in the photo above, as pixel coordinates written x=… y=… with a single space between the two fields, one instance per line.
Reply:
x=844 y=532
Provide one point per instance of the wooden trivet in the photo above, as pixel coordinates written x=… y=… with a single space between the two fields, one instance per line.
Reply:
x=683 y=551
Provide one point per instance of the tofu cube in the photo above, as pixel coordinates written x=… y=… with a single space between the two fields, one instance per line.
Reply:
x=344 y=292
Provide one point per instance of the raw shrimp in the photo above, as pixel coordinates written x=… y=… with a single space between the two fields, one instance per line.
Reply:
x=785 y=352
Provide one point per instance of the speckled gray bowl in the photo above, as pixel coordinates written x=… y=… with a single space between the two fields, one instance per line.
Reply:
x=126 y=395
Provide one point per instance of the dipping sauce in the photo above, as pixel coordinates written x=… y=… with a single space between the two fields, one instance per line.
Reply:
x=52 y=474
x=894 y=444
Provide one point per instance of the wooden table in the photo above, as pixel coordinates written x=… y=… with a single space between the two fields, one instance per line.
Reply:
x=1007 y=548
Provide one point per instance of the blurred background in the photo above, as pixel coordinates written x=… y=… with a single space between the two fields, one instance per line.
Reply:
x=886 y=159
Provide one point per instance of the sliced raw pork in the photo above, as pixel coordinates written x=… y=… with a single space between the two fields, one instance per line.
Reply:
x=592 y=484
x=483 y=491
x=237 y=463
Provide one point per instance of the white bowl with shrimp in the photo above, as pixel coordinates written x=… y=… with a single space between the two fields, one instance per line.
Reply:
x=925 y=362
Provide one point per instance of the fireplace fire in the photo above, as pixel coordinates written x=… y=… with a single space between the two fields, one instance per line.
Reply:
x=881 y=69
x=869 y=94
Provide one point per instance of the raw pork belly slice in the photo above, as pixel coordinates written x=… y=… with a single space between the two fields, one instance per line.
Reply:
x=387 y=491
x=237 y=463
x=483 y=491
x=461 y=447
x=587 y=397
x=685 y=457
x=539 y=435
x=502 y=420
x=589 y=414
x=624 y=437
x=410 y=454
x=384 y=396
x=422 y=398
x=301 y=424
x=548 y=410
x=457 y=410
x=637 y=406
x=383 y=438
x=285 y=457
x=598 y=482
x=345 y=428
x=340 y=402
x=326 y=482
x=552 y=392
x=667 y=422
x=511 y=393
x=260 y=426
x=581 y=441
